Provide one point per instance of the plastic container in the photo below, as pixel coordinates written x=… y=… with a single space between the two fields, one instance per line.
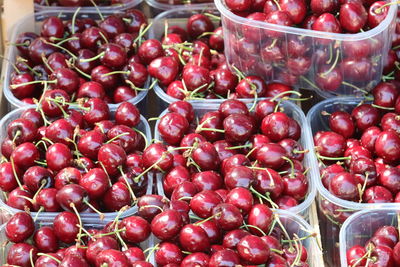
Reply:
x=292 y=111
x=178 y=17
x=361 y=226
x=28 y=24
x=110 y=8
x=333 y=211
x=39 y=223
x=294 y=224
x=86 y=217
x=363 y=70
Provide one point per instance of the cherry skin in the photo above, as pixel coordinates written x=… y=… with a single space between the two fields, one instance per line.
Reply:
x=65 y=226
x=227 y=216
x=193 y=238
x=47 y=199
x=198 y=24
x=8 y=180
x=111 y=257
x=172 y=127
x=228 y=256
x=387 y=146
x=365 y=116
x=165 y=69
x=19 y=254
x=137 y=229
x=20 y=227
x=25 y=155
x=253 y=249
x=117 y=197
x=168 y=253
x=58 y=156
x=260 y=216
x=344 y=186
x=45 y=239
x=206 y=156
x=167 y=224
x=330 y=144
x=352 y=17
x=355 y=254
x=232 y=238
x=271 y=156
x=36 y=177
x=203 y=202
x=99 y=245
x=237 y=127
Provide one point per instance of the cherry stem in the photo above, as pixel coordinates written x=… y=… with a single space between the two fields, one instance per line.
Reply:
x=86 y=233
x=115 y=72
x=333 y=65
x=116 y=221
x=255 y=100
x=208 y=219
x=116 y=137
x=239 y=147
x=37 y=213
x=301 y=151
x=238 y=73
x=250 y=152
x=196 y=90
x=72 y=206
x=212 y=16
x=74 y=19
x=354 y=87
x=67 y=40
x=23 y=60
x=93 y=59
x=212 y=130
x=291 y=175
x=381 y=107
x=136 y=179
x=127 y=184
x=61 y=48
x=84 y=74
x=361 y=189
x=101 y=215
x=15 y=173
x=379 y=9
x=330 y=158
x=398 y=222
x=17 y=134
x=309 y=82
x=253 y=226
x=49 y=256
x=152 y=206
x=298 y=250
x=278 y=221
x=151 y=251
x=12 y=64
x=280 y=95
x=146 y=144
x=277 y=4
x=97 y=9
x=268 y=199
x=13 y=86
x=142 y=32
x=31 y=257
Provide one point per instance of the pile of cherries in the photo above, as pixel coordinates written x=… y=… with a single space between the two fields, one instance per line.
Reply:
x=77 y=3
x=194 y=66
x=360 y=154
x=232 y=155
x=67 y=242
x=308 y=61
x=84 y=58
x=89 y=158
x=382 y=249
x=224 y=235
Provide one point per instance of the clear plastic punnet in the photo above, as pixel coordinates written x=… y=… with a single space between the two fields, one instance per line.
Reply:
x=32 y=23
x=339 y=58
x=361 y=226
x=86 y=217
x=293 y=223
x=333 y=211
x=96 y=224
x=292 y=111
x=126 y=4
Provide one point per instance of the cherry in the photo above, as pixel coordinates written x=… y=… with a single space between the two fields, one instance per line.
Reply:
x=296 y=185
x=21 y=87
x=167 y=224
x=8 y=181
x=44 y=260
x=227 y=256
x=271 y=155
x=97 y=246
x=387 y=146
x=196 y=77
x=260 y=216
x=134 y=254
x=377 y=13
x=19 y=254
x=198 y=24
x=101 y=75
x=45 y=239
x=37 y=177
x=168 y=253
x=46 y=198
x=326 y=22
x=207 y=180
x=278 y=17
x=111 y=257
x=275 y=126
x=203 y=203
x=72 y=193
x=253 y=249
x=40 y=48
x=193 y=238
x=65 y=227
x=164 y=69
x=172 y=127
x=137 y=229
x=369 y=137
x=60 y=131
x=385 y=94
x=25 y=155
x=96 y=183
x=352 y=17
x=206 y=156
x=227 y=216
x=196 y=259
x=319 y=7
x=18 y=199
x=73 y=260
x=330 y=144
x=58 y=156
x=344 y=186
x=232 y=238
x=117 y=197
x=157 y=154
x=237 y=127
x=20 y=227
x=49 y=107
x=390 y=178
x=390 y=121
x=134 y=19
x=241 y=198
x=241 y=176
x=22 y=130
x=356 y=254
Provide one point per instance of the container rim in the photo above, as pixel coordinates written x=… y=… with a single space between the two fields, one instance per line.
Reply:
x=116 y=7
x=346 y=224
x=311 y=33
x=303 y=206
x=11 y=53
x=169 y=7
x=317 y=178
